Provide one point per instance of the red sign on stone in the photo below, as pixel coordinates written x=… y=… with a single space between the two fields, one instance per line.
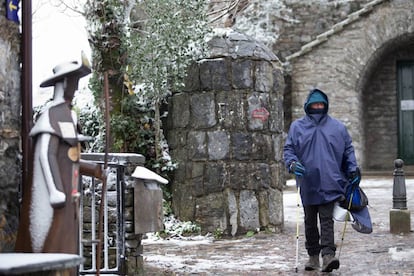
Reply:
x=261 y=114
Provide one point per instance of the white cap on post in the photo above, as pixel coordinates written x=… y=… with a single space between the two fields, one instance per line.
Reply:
x=145 y=174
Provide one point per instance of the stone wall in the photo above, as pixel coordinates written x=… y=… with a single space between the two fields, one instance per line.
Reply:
x=226 y=132
x=341 y=62
x=10 y=164
x=284 y=25
x=309 y=19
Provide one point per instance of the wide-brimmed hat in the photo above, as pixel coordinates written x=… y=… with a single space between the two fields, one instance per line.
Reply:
x=66 y=69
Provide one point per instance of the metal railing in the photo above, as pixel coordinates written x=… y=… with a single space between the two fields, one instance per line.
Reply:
x=113 y=244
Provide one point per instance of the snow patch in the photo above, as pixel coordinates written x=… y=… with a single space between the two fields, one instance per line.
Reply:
x=399 y=254
x=223 y=260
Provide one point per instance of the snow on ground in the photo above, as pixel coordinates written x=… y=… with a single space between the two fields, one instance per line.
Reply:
x=222 y=255
x=399 y=254
x=30 y=262
x=264 y=252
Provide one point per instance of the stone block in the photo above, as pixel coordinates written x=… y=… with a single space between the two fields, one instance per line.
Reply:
x=180 y=173
x=260 y=176
x=264 y=76
x=400 y=221
x=263 y=208
x=249 y=210
x=211 y=212
x=241 y=145
x=278 y=144
x=198 y=186
x=262 y=147
x=214 y=75
x=231 y=113
x=276 y=207
x=192 y=82
x=276 y=118
x=238 y=174
x=278 y=81
x=242 y=74
x=184 y=200
x=197 y=178
x=215 y=178
x=180 y=112
x=233 y=211
x=197 y=169
x=203 y=110
x=257 y=102
x=177 y=138
x=218 y=145
x=270 y=206
x=278 y=172
x=197 y=148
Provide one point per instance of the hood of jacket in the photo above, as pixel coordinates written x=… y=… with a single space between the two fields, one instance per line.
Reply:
x=316 y=96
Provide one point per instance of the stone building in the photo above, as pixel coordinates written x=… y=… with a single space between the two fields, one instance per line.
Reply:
x=359 y=52
x=365 y=63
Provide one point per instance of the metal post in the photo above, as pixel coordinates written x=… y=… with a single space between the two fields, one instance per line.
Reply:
x=26 y=94
x=400 y=221
x=399 y=194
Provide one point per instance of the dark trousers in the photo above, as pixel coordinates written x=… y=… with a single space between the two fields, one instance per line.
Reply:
x=324 y=242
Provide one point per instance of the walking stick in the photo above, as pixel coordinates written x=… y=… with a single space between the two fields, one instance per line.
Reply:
x=103 y=196
x=346 y=221
x=297 y=228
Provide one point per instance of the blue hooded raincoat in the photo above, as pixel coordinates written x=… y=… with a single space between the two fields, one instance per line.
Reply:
x=323 y=145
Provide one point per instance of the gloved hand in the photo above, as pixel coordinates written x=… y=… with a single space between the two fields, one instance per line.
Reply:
x=355 y=177
x=297 y=168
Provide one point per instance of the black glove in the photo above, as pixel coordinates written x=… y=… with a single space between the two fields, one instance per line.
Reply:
x=297 y=168
x=355 y=177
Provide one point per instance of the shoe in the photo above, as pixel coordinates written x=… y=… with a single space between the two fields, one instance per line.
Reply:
x=329 y=263
x=313 y=263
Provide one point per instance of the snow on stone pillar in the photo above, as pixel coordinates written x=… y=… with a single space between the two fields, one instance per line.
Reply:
x=399 y=214
x=226 y=133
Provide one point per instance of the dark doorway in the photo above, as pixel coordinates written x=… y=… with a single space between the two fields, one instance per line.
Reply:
x=405 y=86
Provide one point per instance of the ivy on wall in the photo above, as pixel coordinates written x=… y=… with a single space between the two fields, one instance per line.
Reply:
x=145 y=47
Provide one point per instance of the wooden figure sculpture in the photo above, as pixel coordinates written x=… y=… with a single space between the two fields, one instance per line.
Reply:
x=48 y=219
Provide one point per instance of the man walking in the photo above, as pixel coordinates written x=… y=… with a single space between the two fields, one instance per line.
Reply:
x=319 y=151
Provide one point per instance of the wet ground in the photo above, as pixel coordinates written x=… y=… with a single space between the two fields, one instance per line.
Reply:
x=378 y=253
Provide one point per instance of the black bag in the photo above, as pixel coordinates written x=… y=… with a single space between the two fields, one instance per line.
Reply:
x=359 y=199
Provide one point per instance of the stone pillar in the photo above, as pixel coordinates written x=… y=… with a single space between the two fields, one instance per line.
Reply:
x=399 y=214
x=226 y=132
x=10 y=126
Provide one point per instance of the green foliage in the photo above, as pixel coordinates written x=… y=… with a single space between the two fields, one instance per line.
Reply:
x=107 y=36
x=132 y=128
x=218 y=233
x=250 y=234
x=146 y=48
x=177 y=228
x=165 y=37
x=170 y=36
x=91 y=121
